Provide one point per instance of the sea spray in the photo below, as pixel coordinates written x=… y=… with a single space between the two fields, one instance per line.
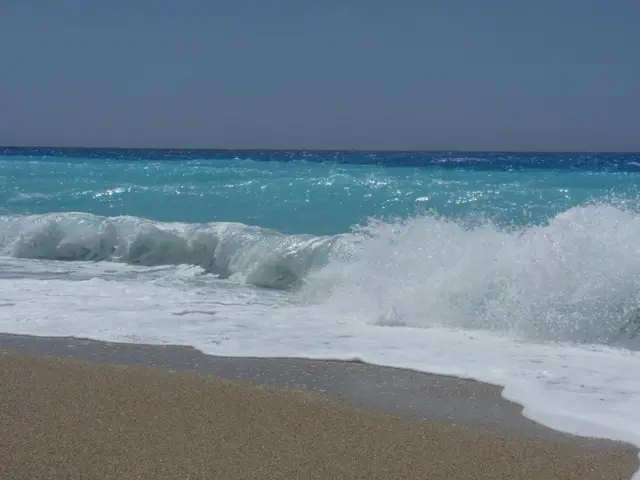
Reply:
x=577 y=278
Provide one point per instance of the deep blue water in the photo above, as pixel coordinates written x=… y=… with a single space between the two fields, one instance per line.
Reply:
x=628 y=162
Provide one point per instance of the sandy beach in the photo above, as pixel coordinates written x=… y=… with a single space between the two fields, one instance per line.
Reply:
x=74 y=418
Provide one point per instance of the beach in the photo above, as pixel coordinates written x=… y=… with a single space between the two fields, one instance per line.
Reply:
x=72 y=408
x=318 y=240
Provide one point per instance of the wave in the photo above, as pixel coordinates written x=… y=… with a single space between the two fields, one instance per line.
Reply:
x=575 y=278
x=253 y=255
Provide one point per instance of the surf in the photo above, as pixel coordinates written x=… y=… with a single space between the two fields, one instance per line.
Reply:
x=575 y=278
x=254 y=255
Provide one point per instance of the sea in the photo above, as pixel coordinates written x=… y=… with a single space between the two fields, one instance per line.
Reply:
x=517 y=269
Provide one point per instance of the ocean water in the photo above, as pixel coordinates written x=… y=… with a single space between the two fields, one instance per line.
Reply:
x=521 y=270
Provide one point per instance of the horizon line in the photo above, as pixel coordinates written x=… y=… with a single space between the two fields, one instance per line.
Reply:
x=317 y=150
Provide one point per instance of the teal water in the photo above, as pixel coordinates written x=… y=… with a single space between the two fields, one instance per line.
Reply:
x=300 y=196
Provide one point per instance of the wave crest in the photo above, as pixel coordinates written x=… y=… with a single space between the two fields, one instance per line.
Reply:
x=576 y=278
x=253 y=255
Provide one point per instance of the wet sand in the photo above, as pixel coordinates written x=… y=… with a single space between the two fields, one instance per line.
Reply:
x=74 y=408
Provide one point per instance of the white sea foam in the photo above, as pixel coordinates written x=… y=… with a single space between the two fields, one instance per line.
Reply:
x=540 y=310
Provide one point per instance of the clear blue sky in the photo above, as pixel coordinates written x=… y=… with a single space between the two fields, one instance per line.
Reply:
x=374 y=74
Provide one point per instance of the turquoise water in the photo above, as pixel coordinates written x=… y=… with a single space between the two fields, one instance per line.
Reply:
x=301 y=196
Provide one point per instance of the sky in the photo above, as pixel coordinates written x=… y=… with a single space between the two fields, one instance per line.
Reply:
x=545 y=75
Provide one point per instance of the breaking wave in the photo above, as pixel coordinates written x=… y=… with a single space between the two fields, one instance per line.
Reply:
x=253 y=255
x=575 y=278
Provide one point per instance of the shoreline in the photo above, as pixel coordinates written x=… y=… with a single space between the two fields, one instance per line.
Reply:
x=406 y=393
x=448 y=410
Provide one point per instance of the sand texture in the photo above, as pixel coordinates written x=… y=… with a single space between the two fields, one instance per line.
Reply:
x=67 y=419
